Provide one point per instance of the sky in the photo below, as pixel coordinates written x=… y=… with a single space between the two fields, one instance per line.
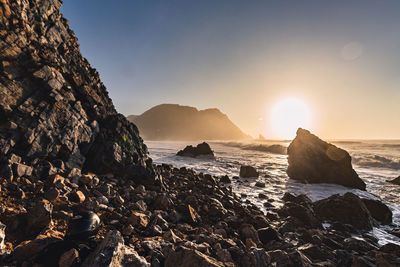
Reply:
x=339 y=59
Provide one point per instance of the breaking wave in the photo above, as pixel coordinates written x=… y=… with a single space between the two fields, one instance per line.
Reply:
x=377 y=162
x=275 y=148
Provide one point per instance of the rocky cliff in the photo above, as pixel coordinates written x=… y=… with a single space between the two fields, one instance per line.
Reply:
x=53 y=105
x=176 y=122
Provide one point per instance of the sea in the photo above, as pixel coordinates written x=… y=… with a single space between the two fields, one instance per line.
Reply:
x=375 y=161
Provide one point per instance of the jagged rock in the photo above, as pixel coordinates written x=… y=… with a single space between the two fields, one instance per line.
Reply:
x=186 y=257
x=248 y=172
x=346 y=209
x=53 y=103
x=201 y=150
x=138 y=219
x=314 y=161
x=378 y=210
x=113 y=252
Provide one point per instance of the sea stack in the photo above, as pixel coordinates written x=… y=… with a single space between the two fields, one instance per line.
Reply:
x=313 y=160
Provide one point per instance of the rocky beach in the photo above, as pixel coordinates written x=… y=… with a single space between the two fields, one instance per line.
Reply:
x=79 y=188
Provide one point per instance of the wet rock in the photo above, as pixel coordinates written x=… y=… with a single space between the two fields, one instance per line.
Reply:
x=225 y=179
x=378 y=210
x=314 y=161
x=2 y=236
x=395 y=181
x=268 y=234
x=346 y=209
x=51 y=194
x=186 y=257
x=112 y=251
x=83 y=225
x=301 y=211
x=202 y=149
x=247 y=171
x=260 y=184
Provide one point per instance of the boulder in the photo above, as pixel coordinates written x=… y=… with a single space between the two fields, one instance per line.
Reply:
x=113 y=252
x=39 y=217
x=346 y=209
x=247 y=171
x=395 y=181
x=203 y=150
x=313 y=160
x=185 y=257
x=378 y=210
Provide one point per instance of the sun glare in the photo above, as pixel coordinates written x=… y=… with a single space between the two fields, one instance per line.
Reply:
x=288 y=115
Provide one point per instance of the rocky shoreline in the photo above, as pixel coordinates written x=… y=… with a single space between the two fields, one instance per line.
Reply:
x=188 y=219
x=77 y=187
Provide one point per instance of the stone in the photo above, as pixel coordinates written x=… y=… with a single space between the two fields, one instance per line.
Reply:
x=2 y=236
x=378 y=210
x=201 y=150
x=68 y=258
x=346 y=209
x=225 y=179
x=260 y=184
x=139 y=219
x=76 y=196
x=268 y=234
x=83 y=225
x=248 y=172
x=248 y=231
x=39 y=217
x=313 y=160
x=112 y=251
x=185 y=257
x=22 y=170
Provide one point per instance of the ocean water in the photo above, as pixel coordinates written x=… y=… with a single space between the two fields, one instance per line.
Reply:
x=374 y=161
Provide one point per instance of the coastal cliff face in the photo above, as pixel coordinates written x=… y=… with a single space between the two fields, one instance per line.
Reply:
x=176 y=122
x=53 y=104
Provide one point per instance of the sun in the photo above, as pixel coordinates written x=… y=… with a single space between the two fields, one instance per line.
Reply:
x=287 y=116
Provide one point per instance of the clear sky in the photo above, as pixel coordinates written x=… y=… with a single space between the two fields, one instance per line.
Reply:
x=341 y=59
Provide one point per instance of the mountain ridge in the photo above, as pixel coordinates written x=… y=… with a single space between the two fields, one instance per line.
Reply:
x=180 y=122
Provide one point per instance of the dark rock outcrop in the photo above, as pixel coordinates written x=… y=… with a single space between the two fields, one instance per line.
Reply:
x=346 y=209
x=313 y=160
x=176 y=122
x=395 y=181
x=201 y=150
x=378 y=210
x=53 y=104
x=248 y=171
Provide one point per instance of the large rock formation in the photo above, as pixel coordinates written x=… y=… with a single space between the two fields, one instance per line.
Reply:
x=201 y=150
x=175 y=122
x=313 y=160
x=53 y=104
